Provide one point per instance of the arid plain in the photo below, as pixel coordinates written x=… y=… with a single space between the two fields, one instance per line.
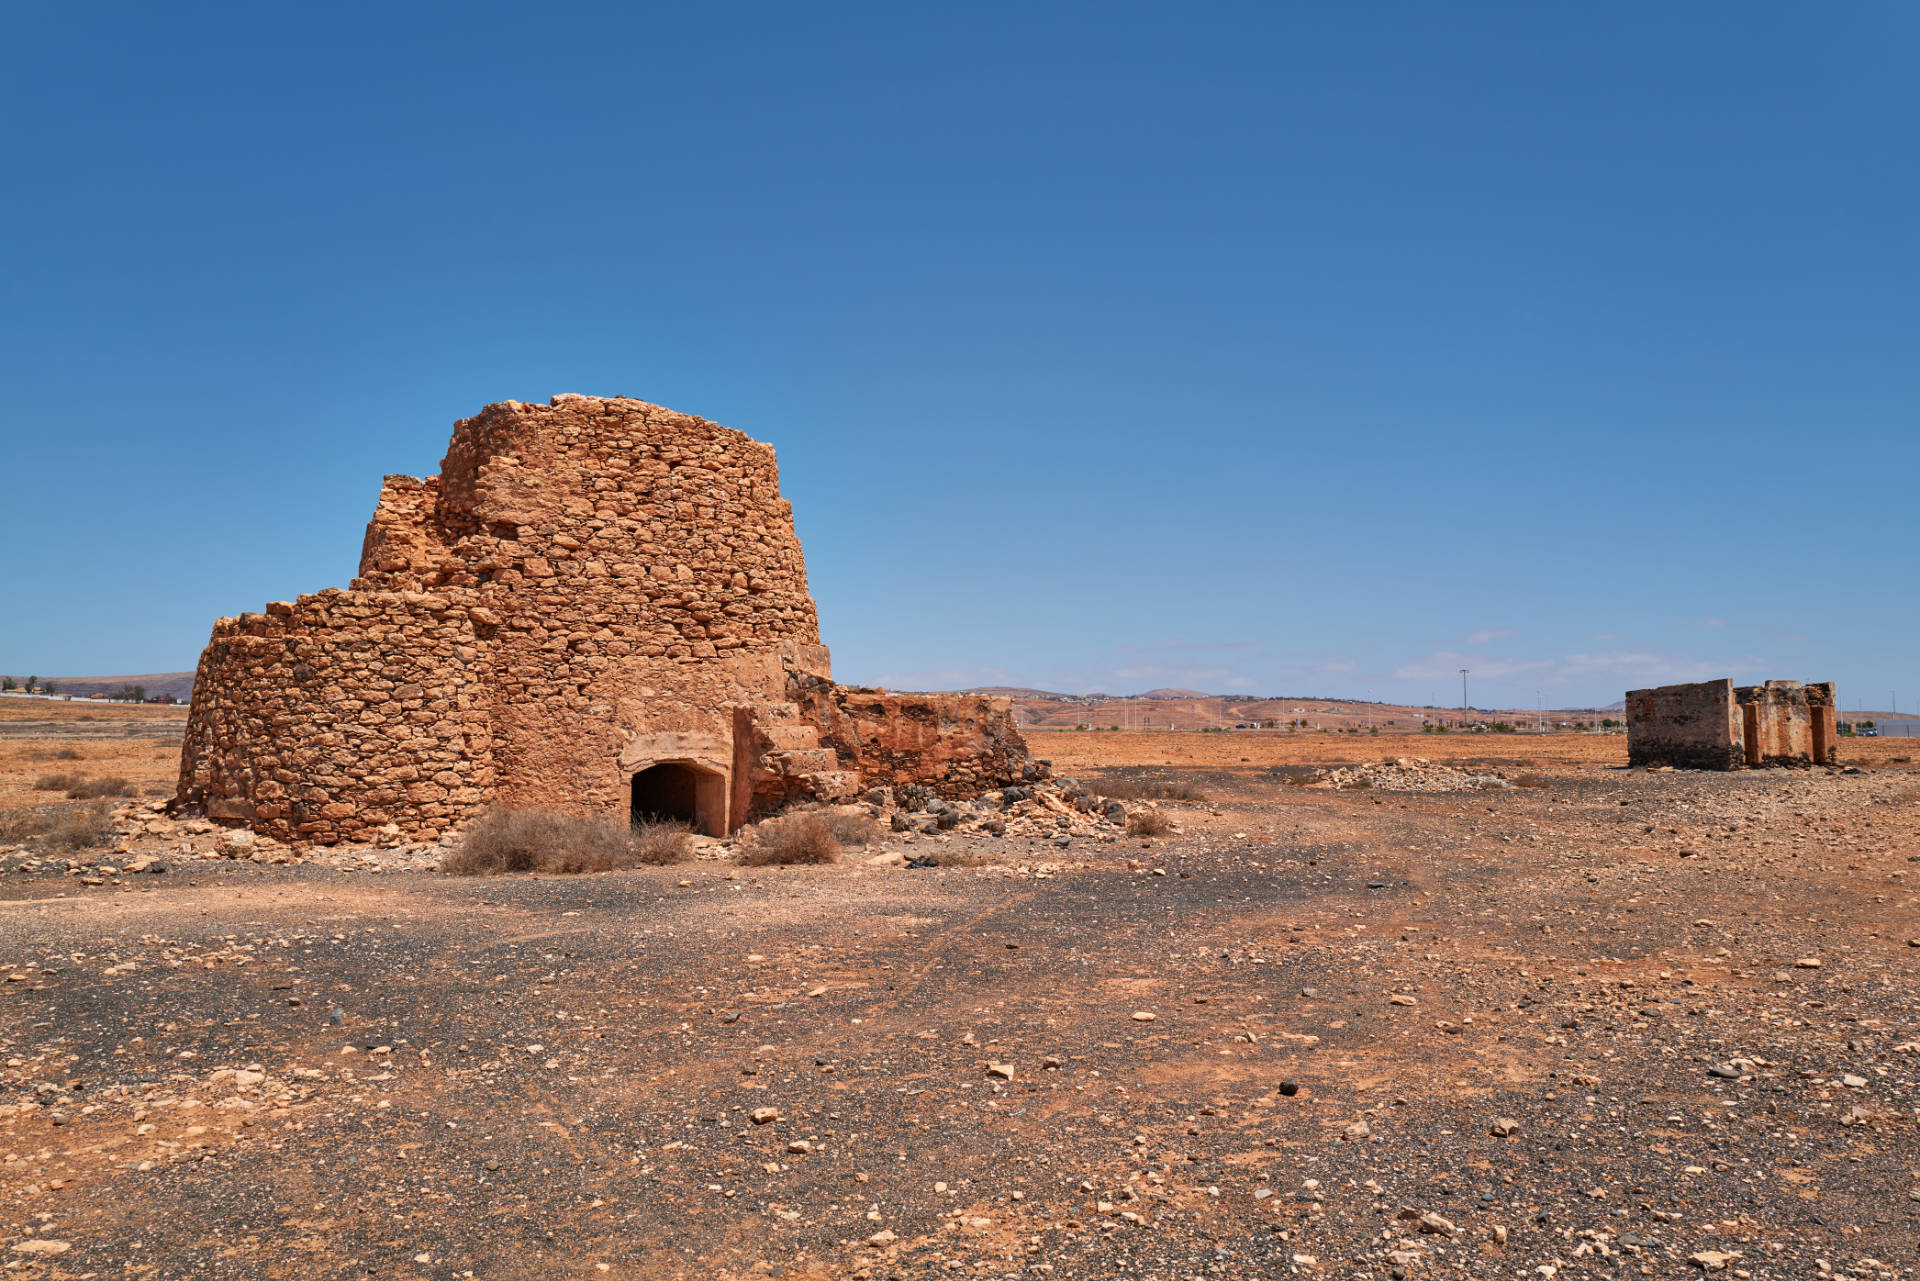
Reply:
x=1583 y=1020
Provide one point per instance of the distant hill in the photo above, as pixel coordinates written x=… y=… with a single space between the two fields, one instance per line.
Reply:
x=1017 y=691
x=1175 y=693
x=178 y=684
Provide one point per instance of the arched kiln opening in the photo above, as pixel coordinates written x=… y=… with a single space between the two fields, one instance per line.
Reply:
x=675 y=792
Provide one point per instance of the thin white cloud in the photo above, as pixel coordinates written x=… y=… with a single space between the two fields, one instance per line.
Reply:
x=1622 y=665
x=1490 y=635
x=1448 y=663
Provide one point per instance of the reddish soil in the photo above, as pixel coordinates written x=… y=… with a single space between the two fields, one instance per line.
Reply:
x=238 y=1070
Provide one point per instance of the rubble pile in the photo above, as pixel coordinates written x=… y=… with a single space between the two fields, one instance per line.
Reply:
x=1037 y=808
x=1409 y=774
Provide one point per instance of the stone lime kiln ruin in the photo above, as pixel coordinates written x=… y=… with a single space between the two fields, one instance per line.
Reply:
x=597 y=604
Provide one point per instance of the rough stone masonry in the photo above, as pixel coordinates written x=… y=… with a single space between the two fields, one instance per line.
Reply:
x=1714 y=725
x=597 y=604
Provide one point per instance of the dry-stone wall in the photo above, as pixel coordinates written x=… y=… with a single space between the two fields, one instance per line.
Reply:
x=592 y=595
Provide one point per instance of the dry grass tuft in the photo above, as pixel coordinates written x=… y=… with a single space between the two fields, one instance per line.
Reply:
x=857 y=829
x=58 y=827
x=1148 y=789
x=794 y=838
x=1148 y=823
x=662 y=842
x=536 y=840
x=86 y=789
x=55 y=782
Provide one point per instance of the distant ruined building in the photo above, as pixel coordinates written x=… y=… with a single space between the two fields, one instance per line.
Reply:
x=1713 y=725
x=597 y=604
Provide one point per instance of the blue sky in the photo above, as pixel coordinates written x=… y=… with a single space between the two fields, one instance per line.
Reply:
x=1247 y=347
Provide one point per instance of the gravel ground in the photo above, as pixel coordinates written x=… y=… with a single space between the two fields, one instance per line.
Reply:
x=1603 y=1023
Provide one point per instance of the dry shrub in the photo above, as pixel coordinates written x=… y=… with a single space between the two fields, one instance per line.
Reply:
x=795 y=838
x=1148 y=823
x=856 y=829
x=662 y=842
x=64 y=754
x=58 y=827
x=1532 y=780
x=538 y=840
x=55 y=782
x=18 y=825
x=1149 y=789
x=86 y=789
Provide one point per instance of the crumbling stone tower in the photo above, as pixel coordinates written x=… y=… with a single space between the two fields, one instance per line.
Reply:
x=597 y=603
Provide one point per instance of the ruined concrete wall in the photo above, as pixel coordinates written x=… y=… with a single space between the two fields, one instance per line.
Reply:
x=587 y=588
x=1823 y=723
x=1693 y=726
x=1780 y=733
x=958 y=745
x=1791 y=724
x=1712 y=725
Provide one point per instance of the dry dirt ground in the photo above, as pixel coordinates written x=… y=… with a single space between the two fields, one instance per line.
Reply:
x=1599 y=1024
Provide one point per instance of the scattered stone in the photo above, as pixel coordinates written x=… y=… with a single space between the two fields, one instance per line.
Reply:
x=1437 y=1226
x=1712 y=1260
x=1403 y=774
x=1289 y=1087
x=764 y=1116
x=1143 y=1016
x=1002 y=1070
x=1504 y=1127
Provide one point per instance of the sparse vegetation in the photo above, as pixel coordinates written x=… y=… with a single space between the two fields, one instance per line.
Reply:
x=55 y=782
x=86 y=789
x=1148 y=789
x=792 y=839
x=538 y=840
x=856 y=829
x=662 y=842
x=65 y=828
x=1148 y=823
